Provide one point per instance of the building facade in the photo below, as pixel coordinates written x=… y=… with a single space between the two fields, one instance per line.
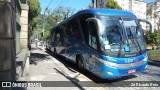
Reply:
x=138 y=7
x=154 y=13
x=13 y=39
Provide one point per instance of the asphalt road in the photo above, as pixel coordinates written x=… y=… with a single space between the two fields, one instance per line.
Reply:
x=44 y=66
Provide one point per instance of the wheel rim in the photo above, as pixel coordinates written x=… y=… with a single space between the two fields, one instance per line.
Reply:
x=55 y=52
x=80 y=64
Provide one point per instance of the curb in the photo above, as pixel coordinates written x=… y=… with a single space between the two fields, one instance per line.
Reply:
x=155 y=63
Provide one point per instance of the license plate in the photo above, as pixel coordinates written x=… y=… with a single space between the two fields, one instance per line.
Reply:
x=131 y=71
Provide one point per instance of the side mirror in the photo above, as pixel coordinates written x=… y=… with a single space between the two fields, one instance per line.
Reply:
x=149 y=22
x=98 y=23
x=95 y=20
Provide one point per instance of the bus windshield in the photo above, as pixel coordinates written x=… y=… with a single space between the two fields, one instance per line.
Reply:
x=121 y=36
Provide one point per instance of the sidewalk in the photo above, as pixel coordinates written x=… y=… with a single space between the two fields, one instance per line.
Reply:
x=44 y=67
x=22 y=65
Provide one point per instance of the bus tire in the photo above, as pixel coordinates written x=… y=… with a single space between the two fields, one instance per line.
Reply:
x=79 y=62
x=55 y=52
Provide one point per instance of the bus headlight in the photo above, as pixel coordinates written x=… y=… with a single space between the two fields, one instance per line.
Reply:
x=146 y=66
x=111 y=64
x=107 y=63
x=145 y=59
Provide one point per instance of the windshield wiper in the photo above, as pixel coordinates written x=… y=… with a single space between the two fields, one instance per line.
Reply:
x=120 y=49
x=122 y=37
x=139 y=46
x=135 y=39
x=124 y=30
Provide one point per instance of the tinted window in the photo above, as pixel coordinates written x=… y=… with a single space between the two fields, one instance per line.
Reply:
x=72 y=29
x=83 y=23
x=52 y=35
x=68 y=29
x=92 y=35
x=75 y=29
x=57 y=38
x=63 y=36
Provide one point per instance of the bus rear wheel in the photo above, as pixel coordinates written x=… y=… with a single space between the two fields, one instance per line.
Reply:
x=55 y=52
x=80 y=63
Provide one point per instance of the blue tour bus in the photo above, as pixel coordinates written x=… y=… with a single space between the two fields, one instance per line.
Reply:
x=107 y=42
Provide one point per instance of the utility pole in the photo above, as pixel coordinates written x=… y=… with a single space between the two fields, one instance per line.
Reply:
x=93 y=4
x=153 y=18
x=43 y=29
x=46 y=9
x=96 y=3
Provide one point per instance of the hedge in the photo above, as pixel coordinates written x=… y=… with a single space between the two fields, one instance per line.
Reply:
x=154 y=55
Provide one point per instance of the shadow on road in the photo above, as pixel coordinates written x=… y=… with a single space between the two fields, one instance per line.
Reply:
x=154 y=63
x=72 y=67
x=73 y=80
x=19 y=88
x=36 y=57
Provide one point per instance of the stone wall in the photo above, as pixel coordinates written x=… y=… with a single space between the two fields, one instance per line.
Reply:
x=24 y=26
x=13 y=37
x=7 y=40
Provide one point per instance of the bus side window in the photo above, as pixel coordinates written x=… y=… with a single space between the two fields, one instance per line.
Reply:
x=92 y=35
x=75 y=29
x=64 y=32
x=63 y=36
x=53 y=35
x=57 y=38
x=84 y=24
x=68 y=30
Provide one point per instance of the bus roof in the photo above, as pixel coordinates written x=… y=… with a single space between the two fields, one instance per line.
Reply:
x=99 y=11
x=106 y=12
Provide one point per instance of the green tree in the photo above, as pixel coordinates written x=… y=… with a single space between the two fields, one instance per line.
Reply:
x=153 y=11
x=34 y=10
x=113 y=5
x=48 y=21
x=62 y=13
x=153 y=39
x=52 y=18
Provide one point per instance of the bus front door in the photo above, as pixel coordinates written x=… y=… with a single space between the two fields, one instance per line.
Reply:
x=93 y=48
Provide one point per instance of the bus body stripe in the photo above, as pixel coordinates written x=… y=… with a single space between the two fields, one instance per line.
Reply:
x=125 y=65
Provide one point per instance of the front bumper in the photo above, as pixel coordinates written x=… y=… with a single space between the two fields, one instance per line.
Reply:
x=112 y=72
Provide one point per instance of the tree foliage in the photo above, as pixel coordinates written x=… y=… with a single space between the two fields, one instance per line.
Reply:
x=153 y=38
x=153 y=11
x=154 y=55
x=52 y=18
x=62 y=13
x=34 y=9
x=113 y=5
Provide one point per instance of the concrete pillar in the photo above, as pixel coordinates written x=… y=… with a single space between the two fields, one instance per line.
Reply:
x=24 y=26
x=7 y=41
